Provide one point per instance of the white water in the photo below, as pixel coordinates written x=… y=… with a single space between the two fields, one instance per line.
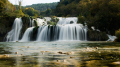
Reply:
x=30 y=25
x=111 y=38
x=41 y=22
x=67 y=20
x=14 y=34
x=64 y=30
x=27 y=35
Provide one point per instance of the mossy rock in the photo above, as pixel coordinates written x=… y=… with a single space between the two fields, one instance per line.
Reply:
x=34 y=33
x=26 y=23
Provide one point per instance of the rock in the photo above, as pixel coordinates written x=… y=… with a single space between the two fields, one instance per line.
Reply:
x=60 y=52
x=72 y=57
x=58 y=60
x=96 y=47
x=16 y=52
x=71 y=22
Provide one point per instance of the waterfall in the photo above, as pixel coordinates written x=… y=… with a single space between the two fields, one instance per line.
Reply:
x=66 y=29
x=85 y=29
x=27 y=35
x=111 y=38
x=41 y=22
x=68 y=20
x=62 y=32
x=48 y=33
x=14 y=34
x=30 y=24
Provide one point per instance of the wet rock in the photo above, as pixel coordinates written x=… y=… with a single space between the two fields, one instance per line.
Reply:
x=72 y=57
x=58 y=60
x=71 y=22
x=60 y=52
x=16 y=52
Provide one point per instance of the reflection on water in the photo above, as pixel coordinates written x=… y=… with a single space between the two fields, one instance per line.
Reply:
x=59 y=54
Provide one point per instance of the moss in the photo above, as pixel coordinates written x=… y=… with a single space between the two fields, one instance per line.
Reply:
x=34 y=34
x=35 y=22
x=54 y=19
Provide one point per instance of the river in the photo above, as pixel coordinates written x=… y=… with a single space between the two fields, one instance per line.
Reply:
x=60 y=54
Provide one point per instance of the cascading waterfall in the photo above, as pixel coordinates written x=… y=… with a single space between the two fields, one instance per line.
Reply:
x=27 y=34
x=66 y=29
x=30 y=24
x=62 y=32
x=14 y=34
x=41 y=22
x=69 y=20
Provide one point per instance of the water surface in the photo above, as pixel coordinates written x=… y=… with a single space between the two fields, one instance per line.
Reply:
x=59 y=54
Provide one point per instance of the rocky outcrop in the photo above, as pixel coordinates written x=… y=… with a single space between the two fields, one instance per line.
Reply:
x=26 y=23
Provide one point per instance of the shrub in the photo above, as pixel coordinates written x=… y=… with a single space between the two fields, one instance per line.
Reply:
x=117 y=34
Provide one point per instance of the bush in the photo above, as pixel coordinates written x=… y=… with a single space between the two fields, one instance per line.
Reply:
x=96 y=36
x=117 y=34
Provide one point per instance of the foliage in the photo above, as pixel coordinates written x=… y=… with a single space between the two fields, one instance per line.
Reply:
x=117 y=34
x=96 y=36
x=53 y=21
x=35 y=22
x=102 y=14
x=2 y=6
x=48 y=12
x=31 y=11
x=81 y=19
x=43 y=6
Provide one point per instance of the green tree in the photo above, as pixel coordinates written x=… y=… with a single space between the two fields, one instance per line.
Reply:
x=2 y=6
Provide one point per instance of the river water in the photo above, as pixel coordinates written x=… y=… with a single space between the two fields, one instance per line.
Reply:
x=60 y=54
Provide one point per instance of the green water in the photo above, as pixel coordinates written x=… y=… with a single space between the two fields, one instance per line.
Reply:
x=59 y=54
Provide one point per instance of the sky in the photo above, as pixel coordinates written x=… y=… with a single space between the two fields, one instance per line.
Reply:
x=30 y=2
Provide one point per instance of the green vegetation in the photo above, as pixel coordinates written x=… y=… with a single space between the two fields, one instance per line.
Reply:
x=44 y=9
x=96 y=36
x=35 y=22
x=31 y=12
x=43 y=6
x=102 y=14
x=7 y=16
x=117 y=33
x=53 y=20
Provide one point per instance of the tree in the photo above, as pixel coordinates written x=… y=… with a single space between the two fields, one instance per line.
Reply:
x=2 y=6
x=20 y=2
